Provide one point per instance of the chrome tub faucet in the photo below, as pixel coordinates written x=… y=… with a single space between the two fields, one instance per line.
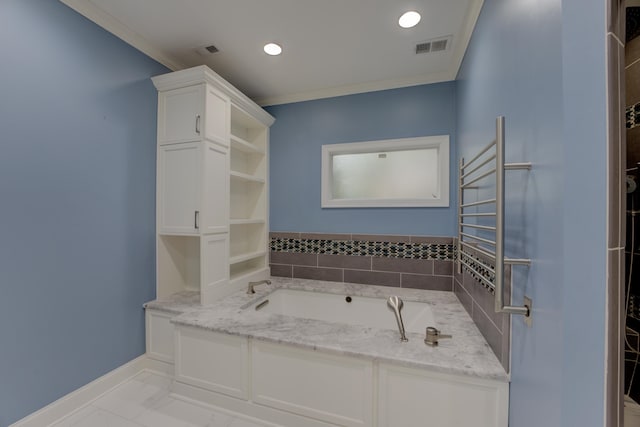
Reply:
x=252 y=285
x=395 y=303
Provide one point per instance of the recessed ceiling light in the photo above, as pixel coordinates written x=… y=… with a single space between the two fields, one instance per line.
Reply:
x=409 y=19
x=272 y=49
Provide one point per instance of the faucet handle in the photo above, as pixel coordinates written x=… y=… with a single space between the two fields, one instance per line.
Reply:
x=252 y=285
x=433 y=335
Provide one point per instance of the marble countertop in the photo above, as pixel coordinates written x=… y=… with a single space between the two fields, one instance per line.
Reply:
x=467 y=353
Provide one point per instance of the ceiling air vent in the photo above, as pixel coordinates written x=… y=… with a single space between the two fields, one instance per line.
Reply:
x=423 y=47
x=435 y=45
x=212 y=49
x=207 y=50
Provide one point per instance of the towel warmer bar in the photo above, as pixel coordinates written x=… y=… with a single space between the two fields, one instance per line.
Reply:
x=470 y=173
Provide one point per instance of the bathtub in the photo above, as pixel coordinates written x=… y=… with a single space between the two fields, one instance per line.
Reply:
x=310 y=358
x=346 y=309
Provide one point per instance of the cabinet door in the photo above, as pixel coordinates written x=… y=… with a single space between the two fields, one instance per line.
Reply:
x=214 y=267
x=215 y=185
x=217 y=116
x=179 y=188
x=181 y=114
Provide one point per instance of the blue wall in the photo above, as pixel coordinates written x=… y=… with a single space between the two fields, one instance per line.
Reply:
x=527 y=61
x=302 y=128
x=585 y=215
x=77 y=191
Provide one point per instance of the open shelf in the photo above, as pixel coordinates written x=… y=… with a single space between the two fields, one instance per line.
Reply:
x=246 y=221
x=240 y=144
x=246 y=257
x=245 y=177
x=249 y=270
x=178 y=264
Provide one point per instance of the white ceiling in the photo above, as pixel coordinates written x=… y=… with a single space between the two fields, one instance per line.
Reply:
x=330 y=47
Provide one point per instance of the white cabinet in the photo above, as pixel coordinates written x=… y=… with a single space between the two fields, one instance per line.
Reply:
x=192 y=113
x=214 y=267
x=180 y=114
x=179 y=188
x=193 y=188
x=211 y=185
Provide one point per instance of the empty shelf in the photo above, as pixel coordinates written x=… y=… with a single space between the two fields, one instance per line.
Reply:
x=245 y=146
x=246 y=257
x=245 y=177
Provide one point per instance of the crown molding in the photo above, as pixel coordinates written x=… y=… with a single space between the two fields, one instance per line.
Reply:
x=357 y=88
x=115 y=27
x=465 y=34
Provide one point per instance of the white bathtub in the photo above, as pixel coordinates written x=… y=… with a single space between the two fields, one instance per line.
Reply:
x=352 y=310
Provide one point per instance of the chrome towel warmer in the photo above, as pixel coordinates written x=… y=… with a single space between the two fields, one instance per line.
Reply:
x=470 y=173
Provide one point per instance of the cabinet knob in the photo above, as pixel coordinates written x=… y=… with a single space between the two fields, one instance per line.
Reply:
x=196 y=220
x=198 y=124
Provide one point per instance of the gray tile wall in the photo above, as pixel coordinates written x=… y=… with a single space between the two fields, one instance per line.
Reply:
x=479 y=303
x=617 y=151
x=388 y=270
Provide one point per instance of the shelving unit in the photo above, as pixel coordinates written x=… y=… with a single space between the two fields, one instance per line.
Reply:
x=212 y=185
x=248 y=197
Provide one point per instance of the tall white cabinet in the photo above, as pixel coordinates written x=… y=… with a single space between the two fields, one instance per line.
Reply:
x=212 y=188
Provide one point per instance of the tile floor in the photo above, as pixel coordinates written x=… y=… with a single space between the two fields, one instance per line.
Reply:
x=145 y=401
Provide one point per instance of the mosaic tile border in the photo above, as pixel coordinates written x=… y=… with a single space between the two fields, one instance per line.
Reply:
x=427 y=251
x=482 y=267
x=633 y=116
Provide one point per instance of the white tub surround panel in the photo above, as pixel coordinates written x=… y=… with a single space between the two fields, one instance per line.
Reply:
x=307 y=372
x=216 y=362
x=331 y=389
x=159 y=329
x=407 y=395
x=314 y=384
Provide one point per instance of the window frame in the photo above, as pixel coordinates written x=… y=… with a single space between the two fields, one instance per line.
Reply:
x=440 y=142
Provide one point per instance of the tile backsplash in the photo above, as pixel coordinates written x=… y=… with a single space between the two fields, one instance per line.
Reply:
x=478 y=299
x=404 y=261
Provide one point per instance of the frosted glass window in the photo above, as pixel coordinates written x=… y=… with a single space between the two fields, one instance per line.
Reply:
x=401 y=172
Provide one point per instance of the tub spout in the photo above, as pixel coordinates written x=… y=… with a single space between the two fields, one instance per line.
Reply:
x=395 y=303
x=252 y=285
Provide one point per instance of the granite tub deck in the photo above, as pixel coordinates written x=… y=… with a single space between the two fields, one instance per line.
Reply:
x=467 y=353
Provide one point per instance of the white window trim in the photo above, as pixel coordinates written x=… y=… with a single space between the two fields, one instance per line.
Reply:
x=441 y=142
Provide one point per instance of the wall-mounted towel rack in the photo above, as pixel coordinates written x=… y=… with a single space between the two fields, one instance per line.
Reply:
x=491 y=235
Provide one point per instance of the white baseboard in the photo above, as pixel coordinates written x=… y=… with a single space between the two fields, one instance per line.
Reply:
x=244 y=409
x=161 y=367
x=68 y=404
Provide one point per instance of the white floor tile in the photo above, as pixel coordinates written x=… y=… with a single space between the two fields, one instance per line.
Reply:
x=153 y=379
x=135 y=396
x=173 y=412
x=144 y=401
x=101 y=418
x=75 y=417
x=239 y=422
